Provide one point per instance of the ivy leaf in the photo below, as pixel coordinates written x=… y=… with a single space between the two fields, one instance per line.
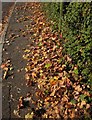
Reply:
x=73 y=101
x=76 y=71
x=82 y=97
x=60 y=60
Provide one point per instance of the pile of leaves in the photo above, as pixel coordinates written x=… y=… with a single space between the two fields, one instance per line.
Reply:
x=76 y=28
x=60 y=91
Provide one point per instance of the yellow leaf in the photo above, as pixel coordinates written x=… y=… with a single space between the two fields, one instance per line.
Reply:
x=82 y=104
x=40 y=39
x=56 y=77
x=26 y=56
x=29 y=115
x=41 y=71
x=33 y=74
x=27 y=51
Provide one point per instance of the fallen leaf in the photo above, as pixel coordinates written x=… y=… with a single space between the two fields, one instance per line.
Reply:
x=16 y=112
x=82 y=104
x=3 y=66
x=5 y=73
x=27 y=76
x=29 y=115
x=33 y=74
x=78 y=88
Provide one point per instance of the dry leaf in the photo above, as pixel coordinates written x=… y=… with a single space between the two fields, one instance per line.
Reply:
x=29 y=115
x=78 y=88
x=27 y=76
x=16 y=112
x=82 y=104
x=3 y=66
x=33 y=74
x=5 y=73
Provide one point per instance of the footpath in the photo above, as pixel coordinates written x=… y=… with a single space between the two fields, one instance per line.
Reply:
x=7 y=9
x=16 y=40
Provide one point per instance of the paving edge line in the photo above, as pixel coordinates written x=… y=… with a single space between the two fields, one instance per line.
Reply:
x=2 y=38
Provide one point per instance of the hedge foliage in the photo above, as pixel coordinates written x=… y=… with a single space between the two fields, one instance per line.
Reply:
x=76 y=27
x=52 y=11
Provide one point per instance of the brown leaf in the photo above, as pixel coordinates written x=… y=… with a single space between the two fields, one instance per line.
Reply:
x=52 y=82
x=27 y=76
x=3 y=66
x=33 y=74
x=78 y=88
x=47 y=99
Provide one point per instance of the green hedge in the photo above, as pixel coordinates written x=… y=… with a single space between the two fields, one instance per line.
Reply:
x=76 y=27
x=52 y=11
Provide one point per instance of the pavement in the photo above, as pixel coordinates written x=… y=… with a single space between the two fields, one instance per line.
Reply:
x=6 y=8
x=13 y=50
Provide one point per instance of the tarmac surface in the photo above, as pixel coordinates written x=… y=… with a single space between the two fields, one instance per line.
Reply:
x=13 y=50
x=6 y=6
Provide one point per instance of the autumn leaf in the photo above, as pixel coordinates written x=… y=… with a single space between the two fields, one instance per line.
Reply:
x=26 y=50
x=29 y=115
x=5 y=73
x=52 y=82
x=3 y=66
x=27 y=76
x=47 y=99
x=82 y=103
x=16 y=113
x=33 y=74
x=26 y=56
x=78 y=88
x=47 y=65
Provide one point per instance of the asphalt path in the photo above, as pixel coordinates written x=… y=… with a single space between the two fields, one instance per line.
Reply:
x=5 y=9
x=14 y=85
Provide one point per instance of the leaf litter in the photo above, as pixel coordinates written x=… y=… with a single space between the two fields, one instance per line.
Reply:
x=59 y=89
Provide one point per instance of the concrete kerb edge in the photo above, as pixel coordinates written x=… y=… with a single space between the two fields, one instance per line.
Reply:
x=2 y=37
